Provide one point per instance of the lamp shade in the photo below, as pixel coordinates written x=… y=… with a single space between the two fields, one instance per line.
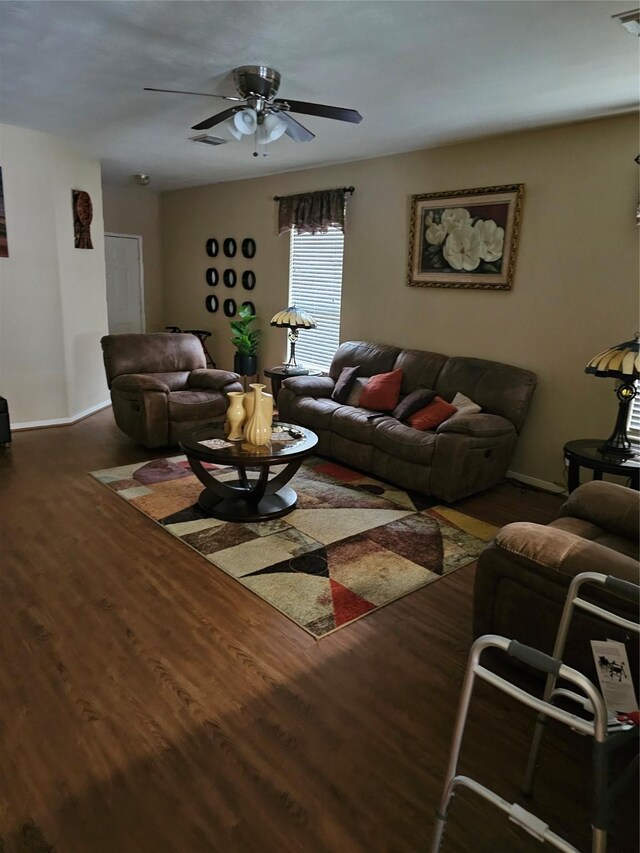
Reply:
x=619 y=362
x=293 y=318
x=246 y=121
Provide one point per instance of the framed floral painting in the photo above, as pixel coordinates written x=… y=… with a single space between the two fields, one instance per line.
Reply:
x=465 y=238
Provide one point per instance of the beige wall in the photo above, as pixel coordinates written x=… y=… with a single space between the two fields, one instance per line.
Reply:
x=576 y=281
x=136 y=210
x=53 y=307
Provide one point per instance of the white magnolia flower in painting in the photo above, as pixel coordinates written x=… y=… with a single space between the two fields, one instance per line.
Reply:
x=462 y=248
x=436 y=233
x=491 y=239
x=455 y=217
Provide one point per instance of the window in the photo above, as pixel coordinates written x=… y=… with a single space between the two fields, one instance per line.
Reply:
x=633 y=424
x=315 y=285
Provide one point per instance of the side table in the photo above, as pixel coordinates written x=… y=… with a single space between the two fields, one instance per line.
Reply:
x=277 y=375
x=584 y=453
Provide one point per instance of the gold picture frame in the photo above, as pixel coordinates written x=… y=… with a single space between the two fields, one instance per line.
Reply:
x=465 y=239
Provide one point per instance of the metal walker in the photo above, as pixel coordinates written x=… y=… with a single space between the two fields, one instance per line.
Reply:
x=590 y=699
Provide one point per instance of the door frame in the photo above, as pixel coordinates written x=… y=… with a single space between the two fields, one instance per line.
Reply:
x=137 y=237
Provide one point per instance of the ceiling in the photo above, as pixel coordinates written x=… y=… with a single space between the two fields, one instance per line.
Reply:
x=421 y=73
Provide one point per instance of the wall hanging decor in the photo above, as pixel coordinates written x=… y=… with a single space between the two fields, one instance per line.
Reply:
x=465 y=239
x=212 y=276
x=212 y=247
x=211 y=303
x=248 y=279
x=248 y=247
x=229 y=247
x=249 y=306
x=230 y=278
x=4 y=243
x=82 y=216
x=229 y=307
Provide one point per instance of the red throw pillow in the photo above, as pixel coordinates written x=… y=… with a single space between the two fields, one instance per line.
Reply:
x=382 y=391
x=432 y=415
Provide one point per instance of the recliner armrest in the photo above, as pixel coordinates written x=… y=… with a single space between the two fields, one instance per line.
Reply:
x=211 y=380
x=481 y=425
x=549 y=548
x=610 y=506
x=139 y=382
x=310 y=386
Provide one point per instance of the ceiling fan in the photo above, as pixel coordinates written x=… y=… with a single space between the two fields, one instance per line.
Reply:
x=258 y=112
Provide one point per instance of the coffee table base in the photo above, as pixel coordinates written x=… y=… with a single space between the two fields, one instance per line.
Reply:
x=240 y=509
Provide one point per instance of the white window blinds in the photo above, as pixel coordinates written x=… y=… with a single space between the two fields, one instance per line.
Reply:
x=315 y=285
x=633 y=426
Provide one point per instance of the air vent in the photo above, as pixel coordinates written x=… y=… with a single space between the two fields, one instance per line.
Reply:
x=208 y=140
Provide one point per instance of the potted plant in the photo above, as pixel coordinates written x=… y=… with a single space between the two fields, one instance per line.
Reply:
x=245 y=339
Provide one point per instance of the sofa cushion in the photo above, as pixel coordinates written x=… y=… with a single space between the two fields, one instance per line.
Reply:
x=356 y=392
x=344 y=383
x=309 y=412
x=420 y=369
x=382 y=391
x=432 y=415
x=410 y=404
x=403 y=442
x=196 y=405
x=355 y=424
x=372 y=358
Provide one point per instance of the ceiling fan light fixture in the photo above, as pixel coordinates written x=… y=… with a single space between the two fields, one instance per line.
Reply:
x=272 y=128
x=246 y=122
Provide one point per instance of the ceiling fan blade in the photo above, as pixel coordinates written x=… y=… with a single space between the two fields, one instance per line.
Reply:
x=182 y=92
x=322 y=110
x=294 y=129
x=216 y=119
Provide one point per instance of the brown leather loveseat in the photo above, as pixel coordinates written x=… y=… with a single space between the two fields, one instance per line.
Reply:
x=160 y=387
x=464 y=455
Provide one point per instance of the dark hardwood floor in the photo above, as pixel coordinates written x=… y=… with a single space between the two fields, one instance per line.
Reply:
x=151 y=704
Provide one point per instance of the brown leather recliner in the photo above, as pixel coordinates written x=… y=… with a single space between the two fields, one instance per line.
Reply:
x=160 y=388
x=523 y=577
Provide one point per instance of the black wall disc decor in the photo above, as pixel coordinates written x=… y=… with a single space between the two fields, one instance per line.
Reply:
x=212 y=247
x=229 y=307
x=229 y=247
x=248 y=279
x=248 y=247
x=212 y=276
x=230 y=278
x=211 y=303
x=250 y=306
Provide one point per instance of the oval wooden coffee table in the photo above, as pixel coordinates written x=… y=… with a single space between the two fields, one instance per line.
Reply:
x=248 y=498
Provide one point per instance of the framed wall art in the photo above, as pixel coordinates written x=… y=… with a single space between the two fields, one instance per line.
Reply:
x=465 y=239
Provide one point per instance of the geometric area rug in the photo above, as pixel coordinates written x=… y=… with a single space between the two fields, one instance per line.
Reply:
x=352 y=545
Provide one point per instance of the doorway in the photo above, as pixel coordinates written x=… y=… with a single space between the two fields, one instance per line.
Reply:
x=125 y=298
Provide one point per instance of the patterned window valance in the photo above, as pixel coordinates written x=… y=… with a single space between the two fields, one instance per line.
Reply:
x=313 y=213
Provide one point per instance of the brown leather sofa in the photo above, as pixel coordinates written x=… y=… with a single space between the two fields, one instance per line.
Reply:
x=468 y=453
x=160 y=388
x=523 y=577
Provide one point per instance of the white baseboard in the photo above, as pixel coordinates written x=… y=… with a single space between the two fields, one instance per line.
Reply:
x=53 y=422
x=538 y=484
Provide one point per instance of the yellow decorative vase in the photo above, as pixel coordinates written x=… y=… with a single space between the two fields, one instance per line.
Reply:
x=235 y=415
x=257 y=429
x=267 y=405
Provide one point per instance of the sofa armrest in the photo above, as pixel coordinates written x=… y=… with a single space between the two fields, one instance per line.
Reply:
x=481 y=425
x=310 y=386
x=140 y=382
x=610 y=506
x=212 y=380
